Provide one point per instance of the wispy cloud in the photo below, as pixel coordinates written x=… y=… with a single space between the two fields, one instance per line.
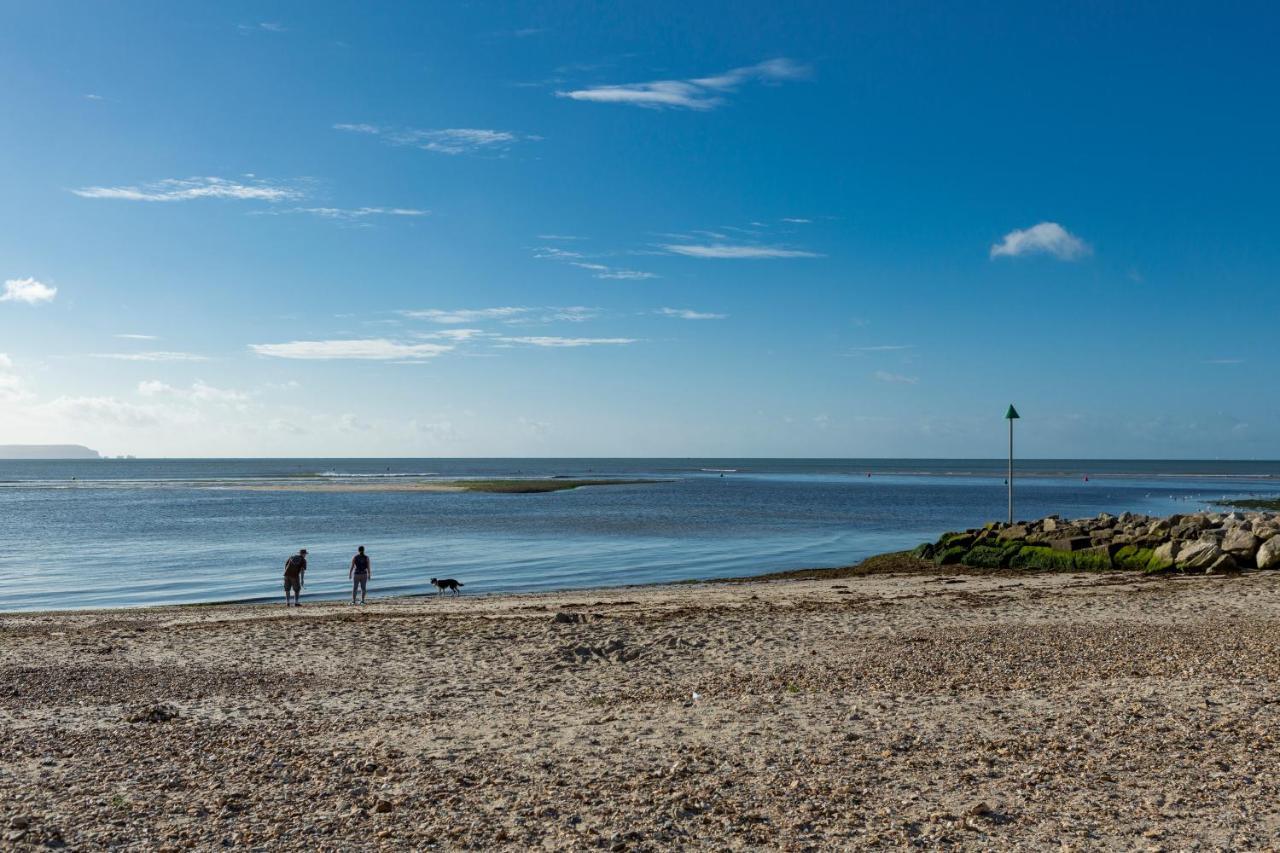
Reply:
x=262 y=27
x=129 y=337
x=369 y=349
x=1225 y=361
x=151 y=356
x=598 y=270
x=449 y=140
x=726 y=250
x=465 y=315
x=697 y=93
x=1046 y=238
x=115 y=412
x=199 y=392
x=548 y=341
x=12 y=388
x=187 y=189
x=795 y=220
x=347 y=214
x=688 y=314
x=896 y=378
x=27 y=290
x=883 y=348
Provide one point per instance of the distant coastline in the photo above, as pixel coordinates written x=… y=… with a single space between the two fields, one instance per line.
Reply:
x=47 y=451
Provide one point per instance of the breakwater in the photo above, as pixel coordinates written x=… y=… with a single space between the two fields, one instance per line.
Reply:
x=1194 y=542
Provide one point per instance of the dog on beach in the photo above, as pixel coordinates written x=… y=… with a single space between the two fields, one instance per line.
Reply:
x=446 y=583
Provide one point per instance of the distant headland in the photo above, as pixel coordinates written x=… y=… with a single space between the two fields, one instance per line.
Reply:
x=47 y=451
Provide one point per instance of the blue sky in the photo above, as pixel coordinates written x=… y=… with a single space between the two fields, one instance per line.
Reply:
x=550 y=229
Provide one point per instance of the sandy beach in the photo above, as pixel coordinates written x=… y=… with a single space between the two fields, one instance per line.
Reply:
x=983 y=711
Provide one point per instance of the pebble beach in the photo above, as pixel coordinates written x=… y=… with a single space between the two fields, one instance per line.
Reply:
x=933 y=707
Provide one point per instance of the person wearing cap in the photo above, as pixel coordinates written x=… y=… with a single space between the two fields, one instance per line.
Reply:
x=294 y=568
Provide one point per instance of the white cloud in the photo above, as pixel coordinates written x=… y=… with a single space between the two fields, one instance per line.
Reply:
x=11 y=385
x=371 y=349
x=449 y=140
x=599 y=270
x=623 y=274
x=897 y=378
x=547 y=341
x=573 y=314
x=688 y=314
x=1047 y=238
x=27 y=290
x=151 y=356
x=114 y=412
x=795 y=220
x=465 y=315
x=350 y=422
x=1225 y=361
x=137 y=337
x=698 y=93
x=883 y=348
x=724 y=250
x=349 y=213
x=186 y=189
x=199 y=392
x=457 y=334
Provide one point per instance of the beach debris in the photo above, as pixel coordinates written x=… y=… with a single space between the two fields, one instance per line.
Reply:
x=563 y=618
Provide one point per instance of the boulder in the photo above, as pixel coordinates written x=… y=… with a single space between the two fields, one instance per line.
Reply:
x=1268 y=556
x=1223 y=564
x=1073 y=543
x=1014 y=531
x=1050 y=524
x=1241 y=544
x=1198 y=556
x=1162 y=556
x=1160 y=527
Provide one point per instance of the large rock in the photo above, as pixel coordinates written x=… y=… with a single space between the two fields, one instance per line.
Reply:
x=1241 y=544
x=1073 y=543
x=1014 y=531
x=1163 y=557
x=1268 y=556
x=1050 y=524
x=1197 y=556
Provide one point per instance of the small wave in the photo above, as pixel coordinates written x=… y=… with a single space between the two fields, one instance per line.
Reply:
x=719 y=470
x=342 y=475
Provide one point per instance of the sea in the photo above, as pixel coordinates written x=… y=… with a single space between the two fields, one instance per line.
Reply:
x=124 y=533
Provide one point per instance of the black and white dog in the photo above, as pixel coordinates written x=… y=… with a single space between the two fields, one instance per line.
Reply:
x=446 y=583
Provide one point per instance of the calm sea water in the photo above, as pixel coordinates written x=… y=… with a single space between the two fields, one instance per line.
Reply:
x=120 y=533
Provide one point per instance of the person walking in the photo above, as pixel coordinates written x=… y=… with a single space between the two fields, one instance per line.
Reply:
x=359 y=573
x=294 y=568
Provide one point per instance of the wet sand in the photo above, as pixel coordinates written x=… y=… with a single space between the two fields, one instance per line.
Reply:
x=985 y=712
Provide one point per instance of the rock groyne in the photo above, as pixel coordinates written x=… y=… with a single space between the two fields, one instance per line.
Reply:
x=1195 y=542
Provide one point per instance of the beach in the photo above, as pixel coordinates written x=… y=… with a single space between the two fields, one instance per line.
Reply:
x=935 y=707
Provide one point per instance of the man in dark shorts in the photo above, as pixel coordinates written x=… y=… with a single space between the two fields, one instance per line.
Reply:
x=359 y=574
x=294 y=568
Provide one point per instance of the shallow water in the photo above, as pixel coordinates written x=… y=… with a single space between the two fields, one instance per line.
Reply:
x=120 y=533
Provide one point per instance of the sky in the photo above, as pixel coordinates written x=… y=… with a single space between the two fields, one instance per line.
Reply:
x=640 y=229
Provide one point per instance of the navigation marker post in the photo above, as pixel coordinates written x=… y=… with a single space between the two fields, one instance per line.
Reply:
x=1011 y=416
